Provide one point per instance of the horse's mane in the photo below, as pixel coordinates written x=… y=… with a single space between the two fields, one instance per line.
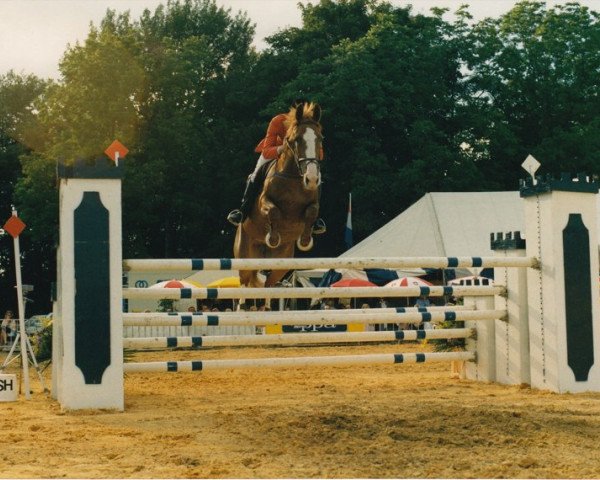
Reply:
x=307 y=115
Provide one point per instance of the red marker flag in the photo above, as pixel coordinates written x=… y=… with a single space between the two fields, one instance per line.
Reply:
x=14 y=226
x=116 y=150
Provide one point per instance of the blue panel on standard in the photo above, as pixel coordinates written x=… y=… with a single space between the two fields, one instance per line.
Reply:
x=578 y=297
x=92 y=287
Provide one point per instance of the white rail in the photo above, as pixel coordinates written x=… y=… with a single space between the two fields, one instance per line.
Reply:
x=309 y=292
x=338 y=360
x=295 y=338
x=311 y=317
x=194 y=264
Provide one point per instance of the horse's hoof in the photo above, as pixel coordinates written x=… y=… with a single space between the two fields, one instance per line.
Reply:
x=268 y=241
x=304 y=248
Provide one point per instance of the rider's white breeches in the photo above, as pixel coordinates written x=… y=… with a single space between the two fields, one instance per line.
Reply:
x=259 y=163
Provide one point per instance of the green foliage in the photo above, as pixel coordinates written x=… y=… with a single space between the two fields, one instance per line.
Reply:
x=165 y=305
x=42 y=344
x=449 y=344
x=391 y=118
x=20 y=96
x=532 y=75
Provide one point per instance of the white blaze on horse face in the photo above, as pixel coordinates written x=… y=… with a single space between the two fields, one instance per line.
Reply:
x=312 y=176
x=310 y=139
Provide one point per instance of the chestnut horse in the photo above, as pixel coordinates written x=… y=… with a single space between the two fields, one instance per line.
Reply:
x=284 y=212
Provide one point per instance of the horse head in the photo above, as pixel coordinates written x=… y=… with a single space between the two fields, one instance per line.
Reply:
x=304 y=143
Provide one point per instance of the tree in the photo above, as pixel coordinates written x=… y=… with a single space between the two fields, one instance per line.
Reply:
x=157 y=85
x=390 y=89
x=534 y=77
x=18 y=136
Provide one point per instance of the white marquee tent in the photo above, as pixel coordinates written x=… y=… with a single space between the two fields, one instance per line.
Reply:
x=447 y=224
x=444 y=224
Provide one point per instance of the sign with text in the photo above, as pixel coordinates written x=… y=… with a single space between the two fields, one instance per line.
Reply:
x=8 y=388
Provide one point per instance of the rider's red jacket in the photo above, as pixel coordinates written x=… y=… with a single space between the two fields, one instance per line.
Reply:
x=274 y=138
x=275 y=134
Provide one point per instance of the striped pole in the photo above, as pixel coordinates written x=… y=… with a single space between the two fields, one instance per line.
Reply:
x=373 y=359
x=303 y=318
x=295 y=338
x=195 y=264
x=309 y=292
x=131 y=319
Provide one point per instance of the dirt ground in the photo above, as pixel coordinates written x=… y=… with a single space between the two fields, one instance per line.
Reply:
x=337 y=422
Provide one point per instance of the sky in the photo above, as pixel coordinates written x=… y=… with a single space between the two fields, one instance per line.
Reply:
x=34 y=33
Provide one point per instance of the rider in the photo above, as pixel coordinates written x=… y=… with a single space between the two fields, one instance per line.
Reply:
x=269 y=148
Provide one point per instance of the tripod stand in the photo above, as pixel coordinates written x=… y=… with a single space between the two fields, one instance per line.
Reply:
x=29 y=357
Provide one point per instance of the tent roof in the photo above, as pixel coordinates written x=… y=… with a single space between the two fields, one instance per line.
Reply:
x=444 y=224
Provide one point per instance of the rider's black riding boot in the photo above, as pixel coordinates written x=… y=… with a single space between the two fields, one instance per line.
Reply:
x=237 y=216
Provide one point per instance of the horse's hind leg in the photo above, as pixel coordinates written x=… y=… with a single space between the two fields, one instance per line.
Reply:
x=305 y=242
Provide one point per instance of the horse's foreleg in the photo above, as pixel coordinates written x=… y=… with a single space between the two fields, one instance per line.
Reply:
x=273 y=214
x=305 y=242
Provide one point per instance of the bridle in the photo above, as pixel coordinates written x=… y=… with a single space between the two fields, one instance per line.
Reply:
x=302 y=163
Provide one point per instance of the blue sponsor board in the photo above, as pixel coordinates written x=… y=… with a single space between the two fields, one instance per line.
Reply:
x=313 y=328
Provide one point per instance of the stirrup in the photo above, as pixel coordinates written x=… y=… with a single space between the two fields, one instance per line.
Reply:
x=319 y=227
x=235 y=217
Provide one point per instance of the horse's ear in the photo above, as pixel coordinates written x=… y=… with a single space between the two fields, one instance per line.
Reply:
x=317 y=113
x=299 y=112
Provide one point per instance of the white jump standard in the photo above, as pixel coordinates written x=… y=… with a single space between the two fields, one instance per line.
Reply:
x=537 y=324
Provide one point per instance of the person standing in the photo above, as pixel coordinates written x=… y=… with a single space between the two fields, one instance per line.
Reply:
x=6 y=327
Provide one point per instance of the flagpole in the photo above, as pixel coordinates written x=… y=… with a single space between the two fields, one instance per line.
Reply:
x=348 y=232
x=21 y=307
